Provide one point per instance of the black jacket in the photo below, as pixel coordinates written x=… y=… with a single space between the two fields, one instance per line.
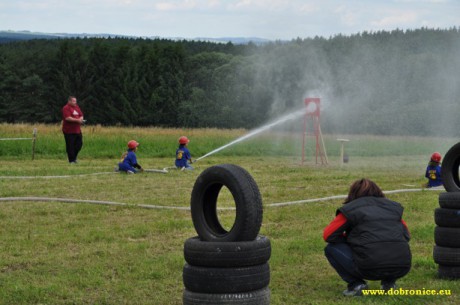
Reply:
x=378 y=238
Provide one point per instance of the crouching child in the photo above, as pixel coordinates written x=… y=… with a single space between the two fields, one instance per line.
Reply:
x=128 y=162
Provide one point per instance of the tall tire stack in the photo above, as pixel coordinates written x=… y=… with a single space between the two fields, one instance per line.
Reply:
x=446 y=252
x=226 y=267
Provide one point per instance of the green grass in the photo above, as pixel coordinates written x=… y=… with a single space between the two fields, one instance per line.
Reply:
x=63 y=253
x=110 y=142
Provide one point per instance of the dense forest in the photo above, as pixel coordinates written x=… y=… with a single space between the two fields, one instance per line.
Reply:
x=398 y=82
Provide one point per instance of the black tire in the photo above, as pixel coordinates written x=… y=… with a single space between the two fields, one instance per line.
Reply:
x=256 y=297
x=247 y=198
x=449 y=272
x=449 y=200
x=227 y=254
x=447 y=237
x=225 y=280
x=446 y=256
x=447 y=217
x=449 y=169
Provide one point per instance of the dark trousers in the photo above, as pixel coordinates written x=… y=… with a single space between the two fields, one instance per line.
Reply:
x=73 y=145
x=340 y=257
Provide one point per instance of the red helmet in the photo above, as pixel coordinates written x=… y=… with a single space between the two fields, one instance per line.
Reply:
x=436 y=157
x=183 y=140
x=132 y=144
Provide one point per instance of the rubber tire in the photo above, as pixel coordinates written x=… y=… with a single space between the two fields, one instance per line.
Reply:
x=248 y=202
x=225 y=280
x=447 y=237
x=449 y=169
x=449 y=200
x=449 y=272
x=227 y=254
x=446 y=256
x=256 y=297
x=447 y=218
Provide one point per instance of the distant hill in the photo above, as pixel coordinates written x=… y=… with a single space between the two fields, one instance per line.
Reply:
x=9 y=36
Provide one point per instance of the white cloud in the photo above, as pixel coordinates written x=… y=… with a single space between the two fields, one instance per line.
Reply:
x=187 y=5
x=396 y=19
x=261 y=6
x=309 y=8
x=347 y=16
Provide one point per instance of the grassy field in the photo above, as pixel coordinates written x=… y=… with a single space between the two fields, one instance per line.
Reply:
x=109 y=142
x=62 y=253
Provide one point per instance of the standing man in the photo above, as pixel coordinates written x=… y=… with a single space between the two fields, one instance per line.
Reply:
x=72 y=119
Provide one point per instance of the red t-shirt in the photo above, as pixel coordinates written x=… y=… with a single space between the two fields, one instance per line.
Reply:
x=74 y=112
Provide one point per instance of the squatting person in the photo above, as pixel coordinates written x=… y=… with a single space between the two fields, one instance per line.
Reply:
x=368 y=239
x=183 y=156
x=433 y=171
x=128 y=162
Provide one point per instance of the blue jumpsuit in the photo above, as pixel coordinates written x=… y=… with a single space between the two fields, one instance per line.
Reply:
x=182 y=157
x=433 y=173
x=129 y=162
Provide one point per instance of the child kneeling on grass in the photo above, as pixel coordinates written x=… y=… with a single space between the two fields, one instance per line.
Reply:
x=368 y=239
x=183 y=157
x=433 y=171
x=128 y=162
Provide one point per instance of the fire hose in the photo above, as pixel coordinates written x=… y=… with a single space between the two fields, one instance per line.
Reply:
x=148 y=206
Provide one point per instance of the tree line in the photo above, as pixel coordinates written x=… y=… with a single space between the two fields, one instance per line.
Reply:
x=396 y=82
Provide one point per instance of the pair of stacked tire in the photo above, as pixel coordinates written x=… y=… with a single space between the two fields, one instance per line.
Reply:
x=226 y=267
x=446 y=252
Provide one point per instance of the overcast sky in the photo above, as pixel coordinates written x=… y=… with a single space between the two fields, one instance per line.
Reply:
x=270 y=19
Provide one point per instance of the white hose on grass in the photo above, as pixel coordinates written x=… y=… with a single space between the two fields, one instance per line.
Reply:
x=345 y=196
x=162 y=171
x=54 y=177
x=148 y=206
x=67 y=200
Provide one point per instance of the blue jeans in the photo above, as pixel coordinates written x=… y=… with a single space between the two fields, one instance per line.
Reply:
x=340 y=257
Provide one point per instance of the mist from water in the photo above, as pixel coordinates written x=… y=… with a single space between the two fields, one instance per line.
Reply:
x=374 y=87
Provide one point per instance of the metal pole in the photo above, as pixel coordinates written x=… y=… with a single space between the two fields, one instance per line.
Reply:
x=317 y=137
x=342 y=149
x=341 y=155
x=304 y=135
x=34 y=138
x=324 y=146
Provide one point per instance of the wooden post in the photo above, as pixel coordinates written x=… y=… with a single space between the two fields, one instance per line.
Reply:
x=34 y=138
x=342 y=149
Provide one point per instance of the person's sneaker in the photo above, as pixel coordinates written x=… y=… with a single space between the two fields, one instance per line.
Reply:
x=129 y=172
x=387 y=286
x=73 y=162
x=116 y=168
x=355 y=290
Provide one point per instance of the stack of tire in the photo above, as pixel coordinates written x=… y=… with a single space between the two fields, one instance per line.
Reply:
x=226 y=267
x=446 y=252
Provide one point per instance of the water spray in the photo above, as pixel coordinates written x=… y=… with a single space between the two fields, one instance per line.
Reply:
x=281 y=120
